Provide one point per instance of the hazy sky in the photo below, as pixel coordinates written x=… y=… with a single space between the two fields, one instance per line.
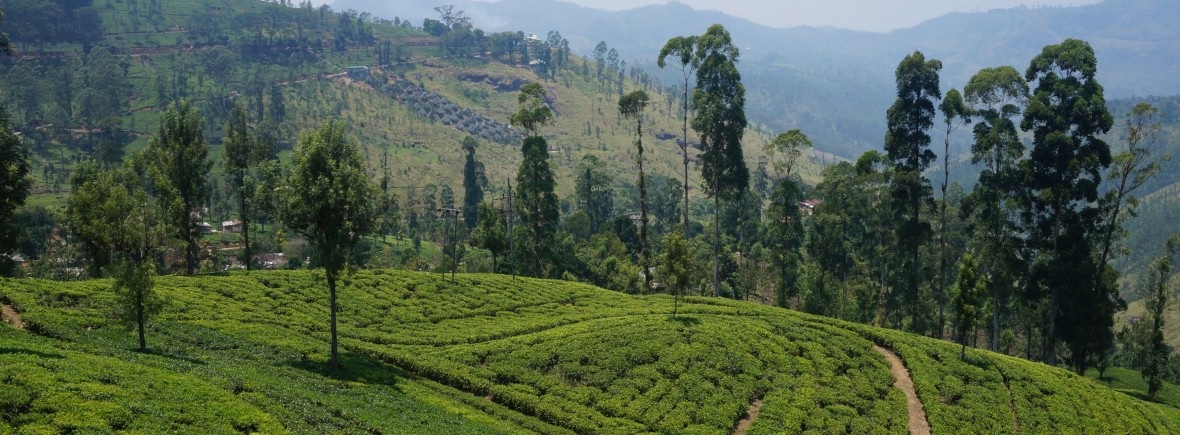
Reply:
x=872 y=15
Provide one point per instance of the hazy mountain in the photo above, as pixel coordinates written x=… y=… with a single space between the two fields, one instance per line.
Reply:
x=835 y=84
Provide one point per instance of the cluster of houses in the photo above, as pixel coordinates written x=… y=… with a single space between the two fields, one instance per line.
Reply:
x=808 y=207
x=268 y=260
x=234 y=226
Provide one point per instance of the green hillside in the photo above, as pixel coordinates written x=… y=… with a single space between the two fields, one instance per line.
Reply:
x=487 y=354
x=49 y=389
x=95 y=91
x=836 y=83
x=1137 y=310
x=1131 y=382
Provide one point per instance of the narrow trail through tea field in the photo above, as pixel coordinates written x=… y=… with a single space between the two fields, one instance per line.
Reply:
x=1011 y=403
x=918 y=423
x=11 y=317
x=751 y=414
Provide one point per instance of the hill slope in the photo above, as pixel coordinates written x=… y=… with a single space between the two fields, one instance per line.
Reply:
x=486 y=353
x=836 y=84
x=286 y=65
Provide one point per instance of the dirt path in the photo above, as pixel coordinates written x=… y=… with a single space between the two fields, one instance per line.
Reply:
x=11 y=317
x=918 y=423
x=1011 y=403
x=751 y=414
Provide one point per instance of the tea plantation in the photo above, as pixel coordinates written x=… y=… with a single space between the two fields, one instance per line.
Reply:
x=488 y=354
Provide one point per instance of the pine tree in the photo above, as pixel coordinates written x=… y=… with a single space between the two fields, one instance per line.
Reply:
x=474 y=181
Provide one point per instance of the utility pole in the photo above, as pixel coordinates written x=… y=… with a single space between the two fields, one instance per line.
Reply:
x=452 y=235
x=510 y=211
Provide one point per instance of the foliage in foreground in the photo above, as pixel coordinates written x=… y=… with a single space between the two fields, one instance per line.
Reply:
x=50 y=390
x=551 y=356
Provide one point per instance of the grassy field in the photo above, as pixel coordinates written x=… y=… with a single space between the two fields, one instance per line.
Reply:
x=1131 y=382
x=487 y=354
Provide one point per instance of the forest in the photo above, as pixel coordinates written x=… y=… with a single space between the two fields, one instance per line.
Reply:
x=127 y=137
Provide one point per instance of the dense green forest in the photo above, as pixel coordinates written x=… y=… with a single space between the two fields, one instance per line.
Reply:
x=141 y=139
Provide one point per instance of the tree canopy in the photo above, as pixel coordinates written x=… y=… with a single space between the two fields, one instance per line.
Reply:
x=180 y=157
x=785 y=151
x=720 y=119
x=719 y=101
x=1067 y=117
x=533 y=113
x=329 y=201
x=907 y=144
x=15 y=182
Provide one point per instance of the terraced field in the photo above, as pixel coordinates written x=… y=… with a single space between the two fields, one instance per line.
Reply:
x=487 y=354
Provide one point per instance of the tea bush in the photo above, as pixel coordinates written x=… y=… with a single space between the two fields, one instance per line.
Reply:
x=487 y=354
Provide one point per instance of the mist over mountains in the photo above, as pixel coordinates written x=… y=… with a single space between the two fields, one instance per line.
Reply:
x=835 y=84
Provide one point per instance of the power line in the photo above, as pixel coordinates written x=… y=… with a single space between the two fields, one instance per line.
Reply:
x=453 y=213
x=511 y=212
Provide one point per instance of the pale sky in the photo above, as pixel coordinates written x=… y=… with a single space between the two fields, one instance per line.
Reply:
x=871 y=15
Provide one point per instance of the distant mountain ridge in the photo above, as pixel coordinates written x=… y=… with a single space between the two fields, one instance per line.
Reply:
x=835 y=84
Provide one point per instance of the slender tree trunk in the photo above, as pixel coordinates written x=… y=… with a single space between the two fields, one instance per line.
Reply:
x=744 y=267
x=915 y=268
x=1050 y=344
x=1028 y=339
x=139 y=319
x=249 y=257
x=511 y=234
x=962 y=342
x=783 y=271
x=996 y=324
x=331 y=273
x=822 y=285
x=782 y=284
x=881 y=264
x=675 y=302
x=1157 y=325
x=998 y=235
x=716 y=242
x=755 y=275
x=685 y=156
x=843 y=292
x=1108 y=231
x=643 y=208
x=192 y=249
x=946 y=175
